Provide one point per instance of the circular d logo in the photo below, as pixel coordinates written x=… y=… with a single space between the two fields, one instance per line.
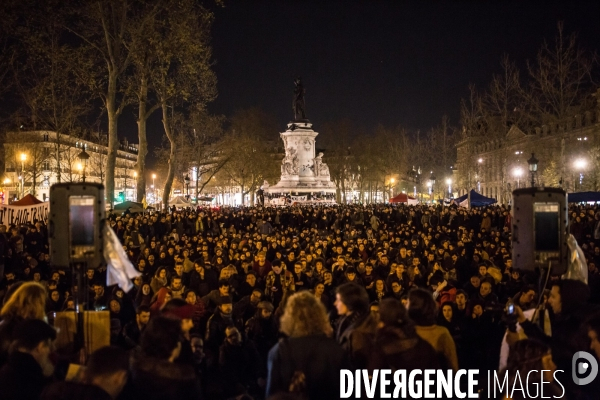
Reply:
x=583 y=362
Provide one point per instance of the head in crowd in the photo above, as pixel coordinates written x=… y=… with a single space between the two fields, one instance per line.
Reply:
x=566 y=296
x=161 y=339
x=351 y=298
x=305 y=315
x=422 y=308
x=28 y=302
x=107 y=368
x=35 y=337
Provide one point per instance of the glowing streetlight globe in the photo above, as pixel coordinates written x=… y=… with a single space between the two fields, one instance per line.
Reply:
x=580 y=163
x=518 y=172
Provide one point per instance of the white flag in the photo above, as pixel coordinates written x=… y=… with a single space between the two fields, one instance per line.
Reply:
x=120 y=271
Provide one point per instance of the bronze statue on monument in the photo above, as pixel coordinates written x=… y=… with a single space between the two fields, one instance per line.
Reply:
x=298 y=105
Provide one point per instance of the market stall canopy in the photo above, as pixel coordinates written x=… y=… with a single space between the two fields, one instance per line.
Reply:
x=28 y=200
x=179 y=201
x=475 y=199
x=132 y=205
x=403 y=198
x=581 y=197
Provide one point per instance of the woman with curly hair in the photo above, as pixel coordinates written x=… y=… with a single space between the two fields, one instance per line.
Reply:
x=28 y=301
x=309 y=360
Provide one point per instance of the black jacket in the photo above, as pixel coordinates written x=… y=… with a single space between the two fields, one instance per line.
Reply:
x=21 y=378
x=7 y=327
x=318 y=357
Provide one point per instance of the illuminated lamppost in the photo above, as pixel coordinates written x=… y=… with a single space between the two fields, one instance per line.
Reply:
x=187 y=186
x=83 y=158
x=533 y=166
x=432 y=181
x=518 y=173
x=449 y=183
x=478 y=174
x=580 y=165
x=23 y=159
x=154 y=188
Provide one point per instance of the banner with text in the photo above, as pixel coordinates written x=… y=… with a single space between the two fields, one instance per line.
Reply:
x=17 y=215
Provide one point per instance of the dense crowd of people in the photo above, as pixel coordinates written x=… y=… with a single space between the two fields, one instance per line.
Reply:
x=264 y=302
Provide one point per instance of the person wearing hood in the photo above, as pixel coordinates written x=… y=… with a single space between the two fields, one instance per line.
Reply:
x=160 y=299
x=144 y=296
x=160 y=279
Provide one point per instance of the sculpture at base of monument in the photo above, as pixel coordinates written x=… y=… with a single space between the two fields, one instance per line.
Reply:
x=319 y=167
x=289 y=165
x=298 y=104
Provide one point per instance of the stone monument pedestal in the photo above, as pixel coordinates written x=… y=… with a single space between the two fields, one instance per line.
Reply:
x=302 y=172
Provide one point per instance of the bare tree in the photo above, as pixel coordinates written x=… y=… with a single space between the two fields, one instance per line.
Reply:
x=250 y=150
x=338 y=154
x=104 y=29
x=181 y=75
x=560 y=78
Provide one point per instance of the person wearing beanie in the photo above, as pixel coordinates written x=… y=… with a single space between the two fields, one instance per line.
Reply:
x=25 y=373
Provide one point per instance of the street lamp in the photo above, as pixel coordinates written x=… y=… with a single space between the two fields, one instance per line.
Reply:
x=432 y=181
x=154 y=188
x=533 y=166
x=187 y=186
x=518 y=173
x=23 y=159
x=478 y=175
x=580 y=165
x=83 y=158
x=449 y=183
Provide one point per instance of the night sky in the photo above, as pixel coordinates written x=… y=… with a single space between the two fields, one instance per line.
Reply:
x=390 y=62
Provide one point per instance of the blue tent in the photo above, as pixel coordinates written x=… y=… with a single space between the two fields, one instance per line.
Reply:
x=583 y=197
x=477 y=200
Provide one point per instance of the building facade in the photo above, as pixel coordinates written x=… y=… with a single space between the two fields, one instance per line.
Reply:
x=35 y=160
x=568 y=154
